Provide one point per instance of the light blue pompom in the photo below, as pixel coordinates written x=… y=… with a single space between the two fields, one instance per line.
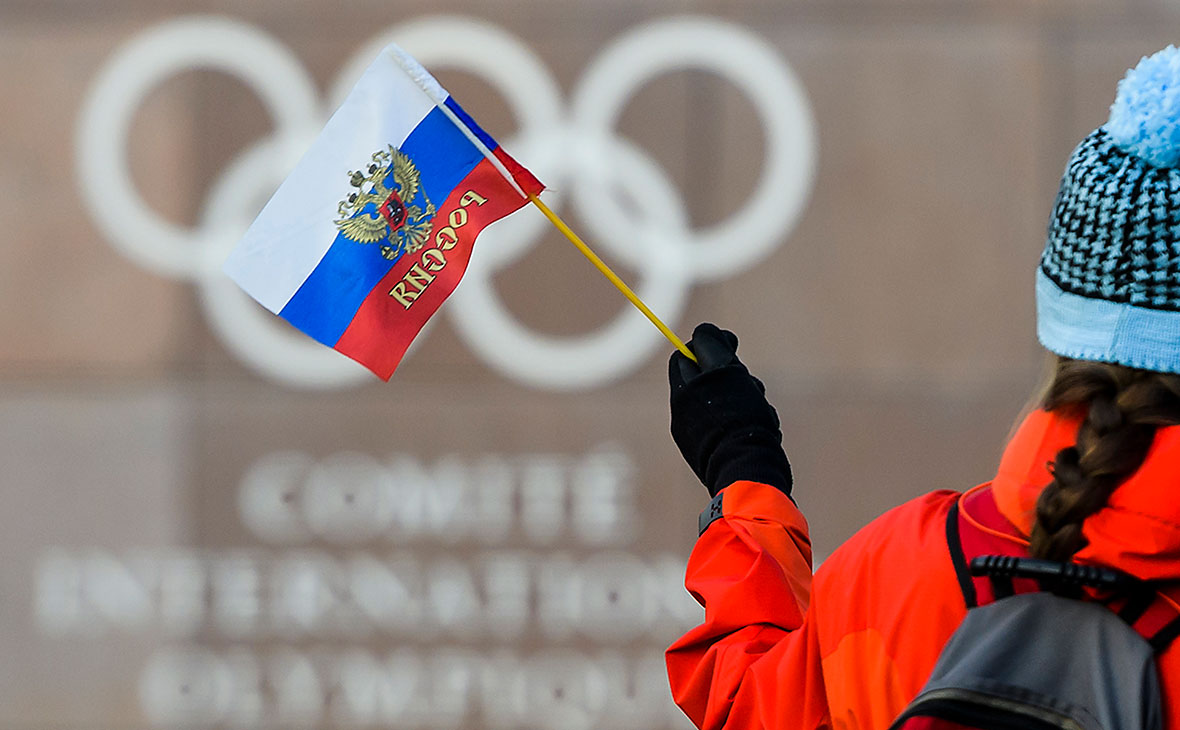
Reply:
x=1145 y=116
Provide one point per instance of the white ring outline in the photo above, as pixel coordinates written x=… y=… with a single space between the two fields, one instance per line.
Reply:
x=105 y=181
x=673 y=44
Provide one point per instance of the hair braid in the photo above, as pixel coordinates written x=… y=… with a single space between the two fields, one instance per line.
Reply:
x=1122 y=409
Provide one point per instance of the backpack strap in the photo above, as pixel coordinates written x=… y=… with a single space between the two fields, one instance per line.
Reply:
x=954 y=541
x=993 y=563
x=1159 y=623
x=967 y=543
x=1161 y=639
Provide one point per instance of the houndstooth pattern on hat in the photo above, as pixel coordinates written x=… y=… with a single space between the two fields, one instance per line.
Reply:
x=1115 y=229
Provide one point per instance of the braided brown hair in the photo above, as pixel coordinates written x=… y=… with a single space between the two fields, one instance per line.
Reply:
x=1122 y=408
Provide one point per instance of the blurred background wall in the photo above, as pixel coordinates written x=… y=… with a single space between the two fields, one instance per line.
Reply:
x=209 y=520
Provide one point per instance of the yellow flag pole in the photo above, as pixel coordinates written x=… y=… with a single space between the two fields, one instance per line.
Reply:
x=560 y=225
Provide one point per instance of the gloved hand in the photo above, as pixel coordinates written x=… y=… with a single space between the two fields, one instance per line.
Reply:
x=721 y=421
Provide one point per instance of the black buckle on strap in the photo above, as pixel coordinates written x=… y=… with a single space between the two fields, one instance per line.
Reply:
x=1053 y=574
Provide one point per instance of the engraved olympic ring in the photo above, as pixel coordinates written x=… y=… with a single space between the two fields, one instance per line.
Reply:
x=575 y=150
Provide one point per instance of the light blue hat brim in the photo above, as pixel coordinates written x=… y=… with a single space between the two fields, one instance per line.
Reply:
x=1096 y=329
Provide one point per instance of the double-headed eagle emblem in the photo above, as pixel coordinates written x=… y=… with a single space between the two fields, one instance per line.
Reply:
x=385 y=206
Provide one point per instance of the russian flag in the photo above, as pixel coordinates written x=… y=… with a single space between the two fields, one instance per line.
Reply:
x=374 y=227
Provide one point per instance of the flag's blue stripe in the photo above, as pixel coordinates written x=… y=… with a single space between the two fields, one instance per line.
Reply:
x=475 y=128
x=329 y=298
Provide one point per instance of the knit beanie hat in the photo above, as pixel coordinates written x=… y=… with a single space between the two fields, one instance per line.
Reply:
x=1108 y=287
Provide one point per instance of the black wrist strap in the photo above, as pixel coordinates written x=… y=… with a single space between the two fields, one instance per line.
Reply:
x=711 y=514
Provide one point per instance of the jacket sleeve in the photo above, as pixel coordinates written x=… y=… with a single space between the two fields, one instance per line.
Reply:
x=751 y=570
x=850 y=650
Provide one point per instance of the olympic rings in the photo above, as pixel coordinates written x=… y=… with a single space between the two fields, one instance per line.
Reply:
x=576 y=149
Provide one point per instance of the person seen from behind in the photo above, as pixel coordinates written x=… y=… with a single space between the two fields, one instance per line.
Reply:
x=1091 y=478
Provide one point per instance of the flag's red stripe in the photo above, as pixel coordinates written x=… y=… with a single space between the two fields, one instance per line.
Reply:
x=383 y=327
x=525 y=179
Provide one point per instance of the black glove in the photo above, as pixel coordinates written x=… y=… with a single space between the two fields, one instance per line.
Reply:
x=720 y=418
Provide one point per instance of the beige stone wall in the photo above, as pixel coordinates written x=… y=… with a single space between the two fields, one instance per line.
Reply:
x=893 y=325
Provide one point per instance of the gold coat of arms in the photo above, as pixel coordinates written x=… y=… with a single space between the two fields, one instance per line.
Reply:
x=388 y=205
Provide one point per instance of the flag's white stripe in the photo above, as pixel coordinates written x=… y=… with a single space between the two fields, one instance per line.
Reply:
x=435 y=91
x=296 y=228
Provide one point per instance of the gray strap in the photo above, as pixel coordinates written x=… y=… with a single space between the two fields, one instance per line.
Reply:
x=711 y=514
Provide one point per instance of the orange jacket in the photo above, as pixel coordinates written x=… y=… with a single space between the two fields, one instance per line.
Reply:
x=852 y=647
